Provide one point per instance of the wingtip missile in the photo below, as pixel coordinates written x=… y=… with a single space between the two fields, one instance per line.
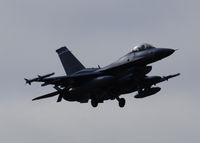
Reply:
x=174 y=75
x=45 y=76
x=171 y=76
x=27 y=81
x=39 y=78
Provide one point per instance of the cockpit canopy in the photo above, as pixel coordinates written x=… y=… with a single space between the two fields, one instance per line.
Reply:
x=142 y=47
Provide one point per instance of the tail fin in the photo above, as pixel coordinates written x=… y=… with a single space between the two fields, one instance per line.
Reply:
x=70 y=63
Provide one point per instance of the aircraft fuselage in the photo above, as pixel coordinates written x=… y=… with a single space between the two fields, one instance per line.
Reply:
x=123 y=81
x=126 y=75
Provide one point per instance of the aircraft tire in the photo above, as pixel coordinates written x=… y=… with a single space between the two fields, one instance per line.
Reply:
x=94 y=103
x=122 y=102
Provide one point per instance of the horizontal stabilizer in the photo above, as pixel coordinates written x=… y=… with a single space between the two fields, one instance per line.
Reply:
x=47 y=95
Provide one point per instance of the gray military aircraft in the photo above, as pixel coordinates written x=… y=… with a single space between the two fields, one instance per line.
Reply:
x=126 y=75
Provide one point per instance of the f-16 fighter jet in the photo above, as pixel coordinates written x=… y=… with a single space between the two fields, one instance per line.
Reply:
x=126 y=75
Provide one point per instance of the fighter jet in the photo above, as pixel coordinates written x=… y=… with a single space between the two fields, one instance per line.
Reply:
x=126 y=75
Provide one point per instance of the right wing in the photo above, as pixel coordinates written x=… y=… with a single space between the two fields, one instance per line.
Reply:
x=122 y=65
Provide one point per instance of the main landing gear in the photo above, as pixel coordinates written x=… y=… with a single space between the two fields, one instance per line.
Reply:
x=94 y=103
x=121 y=101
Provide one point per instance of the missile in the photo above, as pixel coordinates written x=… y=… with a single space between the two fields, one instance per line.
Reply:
x=39 y=78
x=27 y=81
x=45 y=76
x=170 y=76
x=153 y=80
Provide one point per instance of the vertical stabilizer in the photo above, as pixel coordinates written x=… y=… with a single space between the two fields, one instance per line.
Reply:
x=70 y=63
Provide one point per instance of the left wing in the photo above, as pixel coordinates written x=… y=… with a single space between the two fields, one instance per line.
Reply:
x=62 y=80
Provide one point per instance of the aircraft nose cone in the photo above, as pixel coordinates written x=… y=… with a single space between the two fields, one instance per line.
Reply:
x=164 y=52
x=169 y=51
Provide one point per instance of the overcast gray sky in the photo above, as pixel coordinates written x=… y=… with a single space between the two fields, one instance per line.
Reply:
x=98 y=32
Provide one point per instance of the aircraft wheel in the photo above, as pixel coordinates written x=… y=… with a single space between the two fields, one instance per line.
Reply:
x=122 y=102
x=94 y=103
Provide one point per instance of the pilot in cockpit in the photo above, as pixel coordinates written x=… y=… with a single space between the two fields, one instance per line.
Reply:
x=141 y=47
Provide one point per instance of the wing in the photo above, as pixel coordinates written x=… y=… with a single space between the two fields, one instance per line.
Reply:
x=122 y=65
x=148 y=81
x=63 y=80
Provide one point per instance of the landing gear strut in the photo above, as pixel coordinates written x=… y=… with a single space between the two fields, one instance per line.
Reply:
x=94 y=103
x=121 y=101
